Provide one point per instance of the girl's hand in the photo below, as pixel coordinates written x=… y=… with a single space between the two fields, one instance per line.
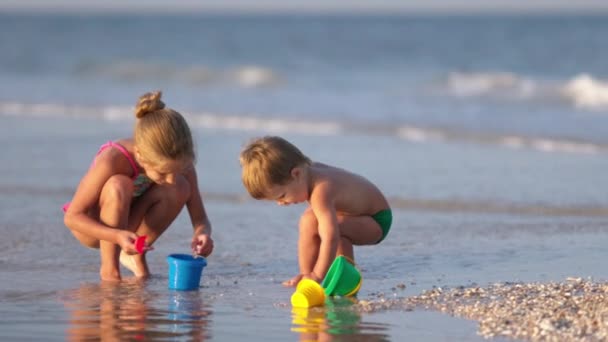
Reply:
x=202 y=244
x=126 y=240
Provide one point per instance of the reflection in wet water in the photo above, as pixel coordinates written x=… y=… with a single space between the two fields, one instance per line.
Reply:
x=336 y=321
x=130 y=311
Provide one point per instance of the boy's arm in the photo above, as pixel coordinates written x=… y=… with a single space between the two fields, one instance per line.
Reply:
x=329 y=233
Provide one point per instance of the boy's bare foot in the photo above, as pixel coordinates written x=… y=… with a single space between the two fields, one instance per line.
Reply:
x=135 y=264
x=293 y=282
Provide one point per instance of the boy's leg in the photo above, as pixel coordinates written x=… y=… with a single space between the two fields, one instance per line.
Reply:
x=354 y=230
x=359 y=230
x=151 y=215
x=345 y=247
x=114 y=203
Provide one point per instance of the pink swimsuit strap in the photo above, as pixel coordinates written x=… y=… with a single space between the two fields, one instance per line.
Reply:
x=124 y=152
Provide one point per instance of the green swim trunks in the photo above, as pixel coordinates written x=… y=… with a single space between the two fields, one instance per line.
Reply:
x=384 y=219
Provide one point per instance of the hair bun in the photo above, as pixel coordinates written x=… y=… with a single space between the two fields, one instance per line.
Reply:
x=149 y=102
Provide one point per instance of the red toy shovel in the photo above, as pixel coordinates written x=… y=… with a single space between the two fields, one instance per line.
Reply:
x=140 y=243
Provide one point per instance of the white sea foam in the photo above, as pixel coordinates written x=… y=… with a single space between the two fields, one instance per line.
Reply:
x=272 y=125
x=482 y=83
x=253 y=76
x=550 y=145
x=246 y=76
x=252 y=122
x=581 y=91
x=417 y=134
x=586 y=92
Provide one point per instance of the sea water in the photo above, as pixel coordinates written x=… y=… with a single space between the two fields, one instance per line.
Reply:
x=488 y=139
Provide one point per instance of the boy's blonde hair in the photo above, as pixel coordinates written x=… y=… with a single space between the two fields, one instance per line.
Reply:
x=268 y=161
x=161 y=133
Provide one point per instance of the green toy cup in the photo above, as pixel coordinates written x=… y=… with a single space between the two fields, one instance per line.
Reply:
x=342 y=279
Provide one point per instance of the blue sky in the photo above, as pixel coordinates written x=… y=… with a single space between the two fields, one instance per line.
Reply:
x=449 y=6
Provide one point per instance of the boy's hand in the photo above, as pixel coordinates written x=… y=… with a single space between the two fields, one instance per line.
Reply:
x=313 y=276
x=202 y=244
x=293 y=282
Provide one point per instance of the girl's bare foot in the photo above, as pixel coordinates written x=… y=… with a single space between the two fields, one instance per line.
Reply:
x=135 y=264
x=109 y=274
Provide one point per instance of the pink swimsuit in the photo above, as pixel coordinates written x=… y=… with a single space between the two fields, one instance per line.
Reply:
x=141 y=182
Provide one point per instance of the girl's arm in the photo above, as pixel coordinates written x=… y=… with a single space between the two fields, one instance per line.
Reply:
x=201 y=241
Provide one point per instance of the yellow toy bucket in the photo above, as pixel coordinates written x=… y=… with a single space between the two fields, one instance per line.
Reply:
x=308 y=294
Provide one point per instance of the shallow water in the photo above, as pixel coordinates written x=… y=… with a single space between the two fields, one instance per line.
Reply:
x=488 y=139
x=447 y=235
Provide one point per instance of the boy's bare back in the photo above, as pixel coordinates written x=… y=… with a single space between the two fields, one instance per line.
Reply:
x=352 y=194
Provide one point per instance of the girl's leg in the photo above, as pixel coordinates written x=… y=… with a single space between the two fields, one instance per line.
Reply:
x=87 y=240
x=151 y=215
x=114 y=204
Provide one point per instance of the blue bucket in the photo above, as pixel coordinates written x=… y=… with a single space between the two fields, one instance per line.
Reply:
x=185 y=271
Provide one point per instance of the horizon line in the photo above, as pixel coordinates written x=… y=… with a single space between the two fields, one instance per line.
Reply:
x=363 y=12
x=309 y=7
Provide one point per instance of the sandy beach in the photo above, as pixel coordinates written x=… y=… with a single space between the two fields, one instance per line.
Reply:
x=572 y=310
x=442 y=274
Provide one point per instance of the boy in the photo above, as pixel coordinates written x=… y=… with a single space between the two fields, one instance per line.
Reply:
x=345 y=209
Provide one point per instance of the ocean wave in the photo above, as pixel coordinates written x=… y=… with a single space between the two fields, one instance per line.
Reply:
x=411 y=133
x=542 y=144
x=582 y=91
x=246 y=76
x=480 y=83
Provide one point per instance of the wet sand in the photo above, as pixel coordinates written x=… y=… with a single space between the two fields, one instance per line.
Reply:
x=457 y=238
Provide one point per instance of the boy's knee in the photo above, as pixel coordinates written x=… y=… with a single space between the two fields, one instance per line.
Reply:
x=308 y=220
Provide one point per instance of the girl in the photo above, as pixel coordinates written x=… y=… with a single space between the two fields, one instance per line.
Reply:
x=137 y=187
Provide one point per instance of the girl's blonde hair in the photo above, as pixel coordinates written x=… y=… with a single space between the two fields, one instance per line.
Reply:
x=161 y=133
x=268 y=161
